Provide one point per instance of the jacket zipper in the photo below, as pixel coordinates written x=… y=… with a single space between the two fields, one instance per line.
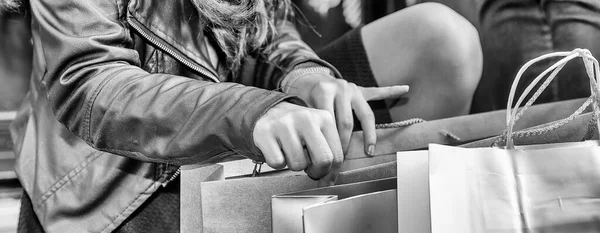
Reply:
x=168 y=50
x=175 y=175
x=135 y=25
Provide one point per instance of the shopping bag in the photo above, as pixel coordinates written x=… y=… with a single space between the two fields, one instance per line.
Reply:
x=239 y=202
x=413 y=181
x=539 y=188
x=456 y=130
x=368 y=206
x=413 y=191
x=575 y=130
x=189 y=212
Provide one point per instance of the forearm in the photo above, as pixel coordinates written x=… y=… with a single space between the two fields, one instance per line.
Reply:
x=162 y=118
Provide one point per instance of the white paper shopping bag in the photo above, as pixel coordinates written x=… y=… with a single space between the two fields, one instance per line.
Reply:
x=540 y=188
x=413 y=191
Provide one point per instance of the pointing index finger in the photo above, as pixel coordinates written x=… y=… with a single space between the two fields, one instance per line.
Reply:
x=380 y=93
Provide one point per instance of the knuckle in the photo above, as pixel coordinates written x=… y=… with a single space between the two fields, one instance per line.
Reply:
x=297 y=166
x=305 y=113
x=347 y=124
x=341 y=83
x=338 y=159
x=368 y=114
x=296 y=161
x=326 y=116
x=326 y=86
x=312 y=175
x=276 y=163
x=353 y=87
x=324 y=161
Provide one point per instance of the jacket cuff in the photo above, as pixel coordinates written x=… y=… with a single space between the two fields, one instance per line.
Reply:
x=254 y=113
x=308 y=63
x=308 y=68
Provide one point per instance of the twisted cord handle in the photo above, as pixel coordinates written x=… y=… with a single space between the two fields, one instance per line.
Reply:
x=399 y=123
x=514 y=113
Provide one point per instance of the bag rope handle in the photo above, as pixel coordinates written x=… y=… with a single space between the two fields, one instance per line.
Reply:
x=514 y=113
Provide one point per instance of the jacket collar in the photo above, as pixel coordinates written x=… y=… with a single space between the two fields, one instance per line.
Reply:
x=177 y=24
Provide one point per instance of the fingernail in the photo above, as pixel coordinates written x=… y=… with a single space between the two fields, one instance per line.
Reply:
x=371 y=150
x=323 y=183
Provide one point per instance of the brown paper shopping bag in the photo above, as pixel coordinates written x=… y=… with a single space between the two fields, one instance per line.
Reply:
x=456 y=130
x=238 y=202
x=190 y=211
x=539 y=188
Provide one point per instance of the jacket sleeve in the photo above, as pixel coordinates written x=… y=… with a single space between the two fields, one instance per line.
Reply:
x=283 y=54
x=97 y=90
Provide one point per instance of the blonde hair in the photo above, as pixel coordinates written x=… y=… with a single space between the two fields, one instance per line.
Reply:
x=241 y=27
x=9 y=5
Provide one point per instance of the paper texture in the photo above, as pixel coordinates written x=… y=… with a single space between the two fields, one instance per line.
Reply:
x=360 y=208
x=287 y=211
x=372 y=212
x=243 y=205
x=542 y=188
x=413 y=191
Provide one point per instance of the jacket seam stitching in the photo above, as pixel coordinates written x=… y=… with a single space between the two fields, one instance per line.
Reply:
x=64 y=179
x=112 y=222
x=89 y=108
x=134 y=153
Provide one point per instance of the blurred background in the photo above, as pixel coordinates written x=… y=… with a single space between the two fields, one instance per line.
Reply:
x=511 y=32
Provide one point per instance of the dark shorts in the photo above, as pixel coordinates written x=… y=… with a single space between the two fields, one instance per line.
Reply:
x=348 y=55
x=516 y=31
x=160 y=213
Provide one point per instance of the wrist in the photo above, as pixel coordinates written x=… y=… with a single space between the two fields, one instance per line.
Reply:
x=302 y=71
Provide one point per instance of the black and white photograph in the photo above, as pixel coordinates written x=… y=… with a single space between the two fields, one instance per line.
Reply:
x=300 y=116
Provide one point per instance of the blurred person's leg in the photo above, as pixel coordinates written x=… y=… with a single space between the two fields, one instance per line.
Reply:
x=515 y=31
x=574 y=24
x=512 y=33
x=435 y=51
x=466 y=8
x=15 y=58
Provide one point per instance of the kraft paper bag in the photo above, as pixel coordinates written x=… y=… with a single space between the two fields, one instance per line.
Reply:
x=191 y=210
x=375 y=172
x=573 y=131
x=242 y=203
x=458 y=130
x=358 y=207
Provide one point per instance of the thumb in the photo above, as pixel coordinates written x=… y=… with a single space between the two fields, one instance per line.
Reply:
x=380 y=93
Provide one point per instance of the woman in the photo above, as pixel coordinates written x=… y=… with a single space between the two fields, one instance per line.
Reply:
x=124 y=92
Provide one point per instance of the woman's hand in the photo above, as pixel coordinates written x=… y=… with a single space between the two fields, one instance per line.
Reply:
x=285 y=133
x=340 y=98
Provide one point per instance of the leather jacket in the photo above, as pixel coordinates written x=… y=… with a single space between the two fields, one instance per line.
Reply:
x=122 y=94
